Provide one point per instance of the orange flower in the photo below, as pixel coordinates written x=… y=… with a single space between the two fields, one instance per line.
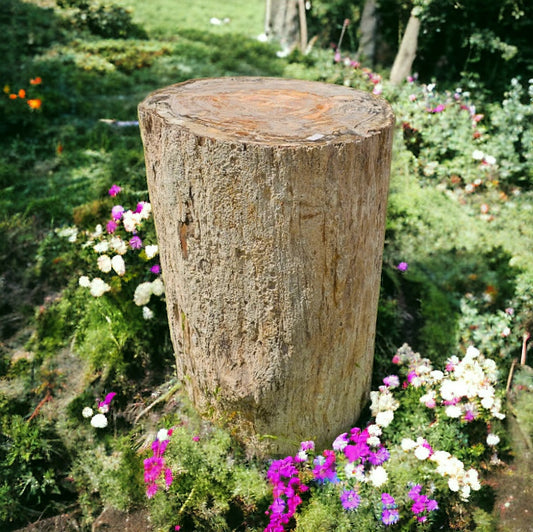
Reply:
x=35 y=104
x=36 y=81
x=22 y=93
x=13 y=96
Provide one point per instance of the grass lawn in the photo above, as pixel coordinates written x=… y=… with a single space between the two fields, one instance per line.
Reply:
x=165 y=18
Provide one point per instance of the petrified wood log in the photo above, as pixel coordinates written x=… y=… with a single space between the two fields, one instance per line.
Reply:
x=269 y=198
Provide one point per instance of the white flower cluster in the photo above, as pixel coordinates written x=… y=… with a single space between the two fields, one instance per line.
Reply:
x=144 y=291
x=465 y=388
x=478 y=155
x=132 y=220
x=97 y=286
x=459 y=480
x=471 y=379
x=111 y=248
x=383 y=404
x=447 y=466
x=98 y=420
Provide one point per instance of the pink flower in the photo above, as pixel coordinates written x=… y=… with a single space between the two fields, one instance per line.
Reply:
x=437 y=109
x=136 y=242
x=151 y=490
x=402 y=266
x=114 y=190
x=196 y=438
x=168 y=477
x=392 y=381
x=111 y=226
x=117 y=211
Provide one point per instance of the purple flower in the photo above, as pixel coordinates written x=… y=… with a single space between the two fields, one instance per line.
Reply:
x=390 y=516
x=156 y=269
x=114 y=190
x=379 y=457
x=414 y=492
x=325 y=466
x=117 y=211
x=350 y=499
x=388 y=500
x=136 y=242
x=307 y=445
x=402 y=266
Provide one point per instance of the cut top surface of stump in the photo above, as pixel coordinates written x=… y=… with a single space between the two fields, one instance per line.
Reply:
x=271 y=111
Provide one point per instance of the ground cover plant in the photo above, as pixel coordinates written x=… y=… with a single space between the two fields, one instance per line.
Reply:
x=91 y=414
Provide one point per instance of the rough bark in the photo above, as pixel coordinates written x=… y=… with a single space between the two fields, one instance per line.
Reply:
x=405 y=57
x=269 y=198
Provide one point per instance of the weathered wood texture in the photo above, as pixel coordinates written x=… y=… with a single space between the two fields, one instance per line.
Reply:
x=269 y=197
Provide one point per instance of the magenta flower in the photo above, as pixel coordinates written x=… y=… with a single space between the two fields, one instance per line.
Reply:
x=139 y=207
x=156 y=269
x=152 y=468
x=107 y=400
x=350 y=499
x=111 y=226
x=402 y=266
x=114 y=190
x=356 y=452
x=437 y=109
x=388 y=500
x=379 y=457
x=136 y=242
x=168 y=477
x=151 y=490
x=117 y=211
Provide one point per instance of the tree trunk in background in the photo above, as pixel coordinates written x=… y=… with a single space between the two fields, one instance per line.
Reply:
x=407 y=52
x=269 y=198
x=282 y=23
x=368 y=29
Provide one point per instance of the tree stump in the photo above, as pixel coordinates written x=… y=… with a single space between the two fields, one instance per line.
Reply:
x=269 y=199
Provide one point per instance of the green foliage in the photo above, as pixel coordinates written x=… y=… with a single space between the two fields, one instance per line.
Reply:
x=107 y=20
x=326 y=19
x=214 y=487
x=30 y=458
x=112 y=477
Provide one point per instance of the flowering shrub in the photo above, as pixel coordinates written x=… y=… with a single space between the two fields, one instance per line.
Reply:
x=419 y=478
x=122 y=240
